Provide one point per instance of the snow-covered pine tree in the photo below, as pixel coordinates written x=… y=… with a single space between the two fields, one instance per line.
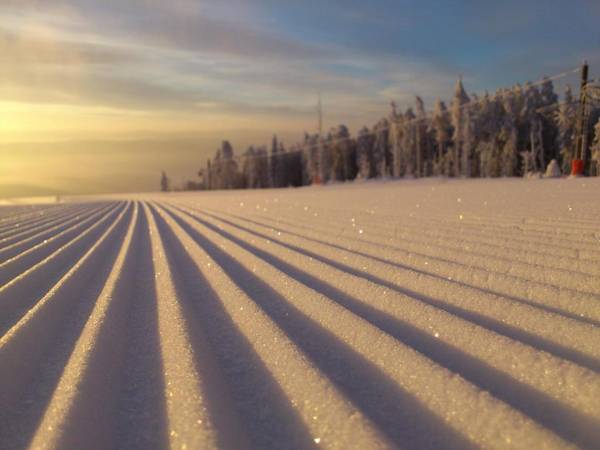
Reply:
x=294 y=167
x=489 y=123
x=509 y=165
x=549 y=131
x=311 y=158
x=527 y=162
x=365 y=154
x=395 y=138
x=593 y=117
x=350 y=166
x=565 y=119
x=337 y=158
x=208 y=175
x=249 y=168
x=457 y=110
x=532 y=124
x=227 y=150
x=468 y=144
x=475 y=135
x=423 y=141
x=283 y=175
x=230 y=178
x=165 y=185
x=343 y=155
x=382 y=149
x=274 y=163
x=441 y=130
x=595 y=149
x=325 y=162
x=261 y=166
x=408 y=144
x=537 y=143
x=217 y=170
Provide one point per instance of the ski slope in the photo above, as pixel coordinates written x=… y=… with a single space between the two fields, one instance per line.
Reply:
x=424 y=314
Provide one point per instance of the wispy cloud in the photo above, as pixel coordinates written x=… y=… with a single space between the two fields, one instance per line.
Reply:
x=184 y=60
x=36 y=49
x=261 y=58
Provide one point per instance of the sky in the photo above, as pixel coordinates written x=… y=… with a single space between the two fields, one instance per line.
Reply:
x=101 y=95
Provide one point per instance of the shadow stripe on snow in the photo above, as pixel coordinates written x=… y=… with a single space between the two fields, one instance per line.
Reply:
x=141 y=415
x=530 y=333
x=571 y=301
x=442 y=235
x=47 y=335
x=266 y=418
x=11 y=215
x=81 y=410
x=503 y=265
x=14 y=220
x=383 y=401
x=551 y=411
x=492 y=226
x=192 y=378
x=41 y=223
x=17 y=248
x=327 y=418
x=22 y=292
x=12 y=267
x=38 y=228
x=369 y=365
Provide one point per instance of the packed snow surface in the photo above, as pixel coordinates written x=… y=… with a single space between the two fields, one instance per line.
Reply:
x=423 y=314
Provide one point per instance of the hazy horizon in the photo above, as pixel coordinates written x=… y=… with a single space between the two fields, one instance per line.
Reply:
x=55 y=168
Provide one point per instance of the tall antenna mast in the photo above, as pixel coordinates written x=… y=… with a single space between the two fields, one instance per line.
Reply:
x=320 y=114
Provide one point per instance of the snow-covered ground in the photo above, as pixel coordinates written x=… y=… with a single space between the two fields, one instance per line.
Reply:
x=421 y=314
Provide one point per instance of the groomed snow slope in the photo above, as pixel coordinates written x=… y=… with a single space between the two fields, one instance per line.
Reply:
x=416 y=314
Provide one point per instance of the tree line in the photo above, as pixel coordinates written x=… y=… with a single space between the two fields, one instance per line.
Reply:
x=512 y=132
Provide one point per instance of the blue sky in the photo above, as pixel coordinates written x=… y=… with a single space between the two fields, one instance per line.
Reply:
x=110 y=70
x=271 y=57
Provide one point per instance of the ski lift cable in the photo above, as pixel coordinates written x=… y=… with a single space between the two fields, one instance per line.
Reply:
x=306 y=147
x=545 y=109
x=484 y=98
